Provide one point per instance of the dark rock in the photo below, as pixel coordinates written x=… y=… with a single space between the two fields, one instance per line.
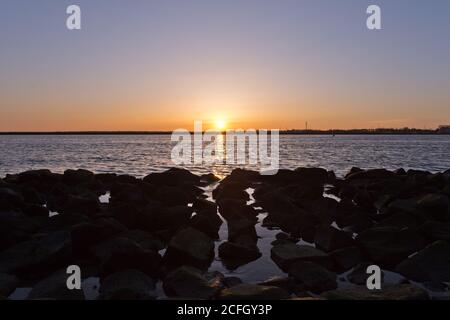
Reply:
x=127 y=193
x=207 y=179
x=231 y=190
x=207 y=222
x=370 y=174
x=253 y=292
x=435 y=206
x=35 y=210
x=15 y=227
x=429 y=264
x=434 y=230
x=312 y=175
x=10 y=199
x=316 y=278
x=76 y=177
x=127 y=285
x=287 y=254
x=87 y=204
x=172 y=196
x=191 y=283
x=145 y=240
x=285 y=283
x=388 y=246
x=241 y=227
x=203 y=204
x=8 y=283
x=399 y=220
x=121 y=258
x=236 y=209
x=397 y=292
x=190 y=247
x=329 y=239
x=359 y=274
x=346 y=258
x=238 y=253
x=55 y=287
x=85 y=235
x=172 y=177
x=105 y=249
x=38 y=256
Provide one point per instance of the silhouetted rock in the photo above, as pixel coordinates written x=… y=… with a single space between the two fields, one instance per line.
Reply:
x=359 y=274
x=122 y=258
x=55 y=287
x=330 y=239
x=240 y=252
x=8 y=283
x=397 y=292
x=190 y=247
x=241 y=227
x=435 y=206
x=207 y=222
x=253 y=292
x=172 y=177
x=76 y=177
x=316 y=278
x=190 y=283
x=38 y=256
x=127 y=285
x=370 y=174
x=430 y=264
x=434 y=230
x=388 y=246
x=287 y=254
x=346 y=258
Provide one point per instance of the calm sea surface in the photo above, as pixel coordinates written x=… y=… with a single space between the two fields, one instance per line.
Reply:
x=141 y=154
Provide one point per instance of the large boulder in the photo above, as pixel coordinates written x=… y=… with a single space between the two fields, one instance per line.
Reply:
x=329 y=239
x=8 y=283
x=189 y=247
x=253 y=292
x=76 y=177
x=238 y=253
x=435 y=206
x=435 y=230
x=315 y=278
x=430 y=264
x=127 y=285
x=287 y=254
x=38 y=256
x=346 y=258
x=388 y=246
x=190 y=283
x=54 y=287
x=172 y=177
x=396 y=292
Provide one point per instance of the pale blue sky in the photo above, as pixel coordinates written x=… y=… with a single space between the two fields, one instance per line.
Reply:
x=150 y=65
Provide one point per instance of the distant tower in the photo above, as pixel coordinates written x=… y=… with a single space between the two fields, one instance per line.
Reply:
x=306 y=125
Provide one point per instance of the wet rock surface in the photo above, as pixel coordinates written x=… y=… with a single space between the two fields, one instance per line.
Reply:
x=170 y=227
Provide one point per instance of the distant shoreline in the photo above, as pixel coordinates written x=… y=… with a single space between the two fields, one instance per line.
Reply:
x=282 y=132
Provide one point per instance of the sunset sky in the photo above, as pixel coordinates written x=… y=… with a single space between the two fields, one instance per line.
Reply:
x=161 y=64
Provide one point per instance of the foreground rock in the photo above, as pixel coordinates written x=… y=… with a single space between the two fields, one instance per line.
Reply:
x=55 y=287
x=8 y=283
x=287 y=254
x=398 y=292
x=189 y=283
x=127 y=285
x=429 y=264
x=314 y=277
x=253 y=292
x=189 y=247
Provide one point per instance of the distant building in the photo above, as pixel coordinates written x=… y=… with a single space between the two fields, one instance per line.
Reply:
x=444 y=129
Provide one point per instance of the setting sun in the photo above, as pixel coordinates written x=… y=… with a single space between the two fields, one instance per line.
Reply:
x=221 y=124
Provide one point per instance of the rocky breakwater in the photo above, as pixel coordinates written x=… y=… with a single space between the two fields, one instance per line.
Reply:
x=163 y=228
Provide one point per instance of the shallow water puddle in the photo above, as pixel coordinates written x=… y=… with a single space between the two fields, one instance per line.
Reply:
x=104 y=198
